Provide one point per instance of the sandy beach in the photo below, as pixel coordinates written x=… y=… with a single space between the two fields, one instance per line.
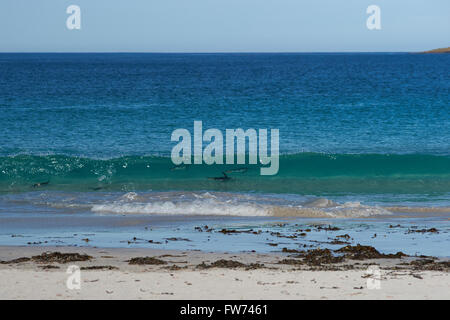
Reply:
x=29 y=273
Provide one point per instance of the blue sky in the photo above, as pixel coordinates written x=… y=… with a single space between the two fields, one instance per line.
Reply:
x=223 y=25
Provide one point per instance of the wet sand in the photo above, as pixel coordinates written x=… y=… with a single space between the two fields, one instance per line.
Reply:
x=27 y=273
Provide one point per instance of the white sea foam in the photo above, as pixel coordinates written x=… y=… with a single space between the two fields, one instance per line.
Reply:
x=225 y=204
x=356 y=209
x=130 y=196
x=196 y=207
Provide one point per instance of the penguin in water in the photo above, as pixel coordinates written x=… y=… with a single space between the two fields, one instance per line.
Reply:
x=237 y=170
x=40 y=184
x=224 y=178
x=179 y=167
x=96 y=188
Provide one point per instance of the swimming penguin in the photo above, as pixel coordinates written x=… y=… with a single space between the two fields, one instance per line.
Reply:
x=40 y=184
x=237 y=170
x=224 y=178
x=180 y=167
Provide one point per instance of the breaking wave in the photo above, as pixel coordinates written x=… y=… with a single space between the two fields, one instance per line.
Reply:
x=234 y=205
x=302 y=173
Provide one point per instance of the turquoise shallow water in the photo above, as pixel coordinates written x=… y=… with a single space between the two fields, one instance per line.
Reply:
x=304 y=173
x=88 y=135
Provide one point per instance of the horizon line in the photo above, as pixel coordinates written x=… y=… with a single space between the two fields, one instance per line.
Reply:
x=212 y=52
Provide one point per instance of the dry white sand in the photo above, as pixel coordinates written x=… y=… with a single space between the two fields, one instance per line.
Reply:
x=28 y=280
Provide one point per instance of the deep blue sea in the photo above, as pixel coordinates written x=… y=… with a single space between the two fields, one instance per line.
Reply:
x=361 y=134
x=113 y=105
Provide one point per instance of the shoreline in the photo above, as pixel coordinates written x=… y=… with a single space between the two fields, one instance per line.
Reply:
x=176 y=274
x=415 y=236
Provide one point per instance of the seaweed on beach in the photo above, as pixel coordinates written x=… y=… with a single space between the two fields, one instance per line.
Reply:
x=230 y=264
x=279 y=235
x=146 y=260
x=99 y=268
x=317 y=257
x=360 y=252
x=431 y=230
x=229 y=231
x=137 y=241
x=222 y=264
x=18 y=260
x=177 y=239
x=325 y=228
x=303 y=234
x=49 y=257
x=291 y=262
x=49 y=266
x=233 y=231
x=321 y=257
x=313 y=257
x=425 y=263
x=337 y=241
x=286 y=250
x=430 y=265
x=205 y=228
x=175 y=267
x=36 y=242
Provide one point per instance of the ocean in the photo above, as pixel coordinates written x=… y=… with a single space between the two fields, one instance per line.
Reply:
x=85 y=144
